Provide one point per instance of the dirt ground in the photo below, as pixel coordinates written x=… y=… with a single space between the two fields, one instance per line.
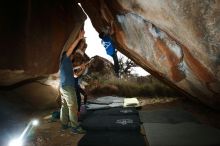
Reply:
x=50 y=134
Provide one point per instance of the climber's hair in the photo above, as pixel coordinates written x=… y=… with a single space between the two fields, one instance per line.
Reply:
x=101 y=35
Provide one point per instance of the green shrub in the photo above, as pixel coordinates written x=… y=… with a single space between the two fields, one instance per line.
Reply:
x=129 y=87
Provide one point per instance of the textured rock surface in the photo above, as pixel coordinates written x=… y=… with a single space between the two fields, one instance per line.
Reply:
x=9 y=77
x=101 y=65
x=176 y=41
x=37 y=93
x=33 y=33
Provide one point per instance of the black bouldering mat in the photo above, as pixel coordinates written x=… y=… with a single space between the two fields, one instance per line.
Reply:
x=113 y=123
x=91 y=106
x=114 y=111
x=106 y=100
x=171 y=115
x=112 y=139
x=112 y=102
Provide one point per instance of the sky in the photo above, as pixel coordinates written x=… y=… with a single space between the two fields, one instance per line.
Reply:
x=94 y=47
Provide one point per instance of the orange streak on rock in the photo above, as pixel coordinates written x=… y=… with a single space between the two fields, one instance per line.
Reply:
x=198 y=69
x=172 y=61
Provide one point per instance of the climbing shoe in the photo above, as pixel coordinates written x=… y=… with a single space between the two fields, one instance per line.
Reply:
x=78 y=130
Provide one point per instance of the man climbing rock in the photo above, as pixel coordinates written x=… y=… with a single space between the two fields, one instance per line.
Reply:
x=110 y=47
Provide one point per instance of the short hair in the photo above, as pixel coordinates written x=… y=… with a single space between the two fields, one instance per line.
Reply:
x=78 y=58
x=101 y=35
x=85 y=45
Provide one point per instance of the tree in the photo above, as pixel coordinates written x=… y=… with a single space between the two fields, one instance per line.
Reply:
x=125 y=66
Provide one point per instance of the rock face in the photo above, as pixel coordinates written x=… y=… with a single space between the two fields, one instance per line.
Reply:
x=33 y=33
x=101 y=65
x=176 y=41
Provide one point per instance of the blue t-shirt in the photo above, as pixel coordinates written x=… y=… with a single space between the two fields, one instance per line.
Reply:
x=66 y=72
x=108 y=44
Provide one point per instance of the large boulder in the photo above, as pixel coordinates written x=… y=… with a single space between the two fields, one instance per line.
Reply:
x=101 y=66
x=33 y=33
x=176 y=41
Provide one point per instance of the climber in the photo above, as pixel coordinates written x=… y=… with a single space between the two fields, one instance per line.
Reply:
x=78 y=69
x=110 y=46
x=68 y=111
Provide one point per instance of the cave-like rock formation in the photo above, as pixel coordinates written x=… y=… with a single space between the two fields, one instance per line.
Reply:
x=176 y=41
